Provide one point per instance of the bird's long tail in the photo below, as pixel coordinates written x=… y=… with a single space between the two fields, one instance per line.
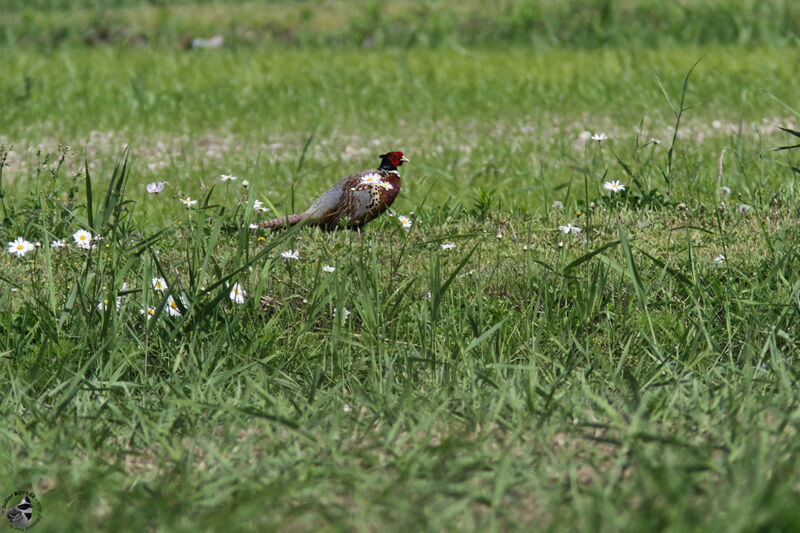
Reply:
x=282 y=222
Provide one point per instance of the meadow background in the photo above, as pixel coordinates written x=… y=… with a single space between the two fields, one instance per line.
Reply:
x=639 y=375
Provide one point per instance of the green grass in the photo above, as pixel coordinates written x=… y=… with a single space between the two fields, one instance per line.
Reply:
x=46 y=24
x=619 y=379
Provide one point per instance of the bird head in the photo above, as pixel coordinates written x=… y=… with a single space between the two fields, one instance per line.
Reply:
x=392 y=160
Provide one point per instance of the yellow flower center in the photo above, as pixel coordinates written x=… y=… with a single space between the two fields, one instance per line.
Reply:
x=20 y=246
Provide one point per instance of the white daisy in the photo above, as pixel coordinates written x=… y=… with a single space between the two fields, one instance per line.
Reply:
x=569 y=228
x=258 y=205
x=237 y=293
x=188 y=202
x=447 y=245
x=172 y=307
x=371 y=179
x=345 y=311
x=720 y=258
x=155 y=187
x=405 y=221
x=83 y=239
x=103 y=305
x=328 y=268
x=253 y=225
x=227 y=177
x=599 y=137
x=57 y=243
x=245 y=183
x=20 y=247
x=159 y=284
x=291 y=254
x=614 y=186
x=149 y=312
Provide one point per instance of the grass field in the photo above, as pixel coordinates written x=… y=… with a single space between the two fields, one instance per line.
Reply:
x=480 y=370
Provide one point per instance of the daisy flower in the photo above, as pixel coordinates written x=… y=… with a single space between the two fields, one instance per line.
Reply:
x=720 y=258
x=447 y=245
x=405 y=221
x=159 y=284
x=188 y=202
x=291 y=254
x=20 y=247
x=253 y=225
x=345 y=311
x=371 y=179
x=237 y=293
x=155 y=187
x=599 y=137
x=103 y=305
x=172 y=307
x=245 y=183
x=258 y=205
x=57 y=243
x=83 y=239
x=328 y=268
x=569 y=228
x=614 y=186
x=227 y=177
x=149 y=312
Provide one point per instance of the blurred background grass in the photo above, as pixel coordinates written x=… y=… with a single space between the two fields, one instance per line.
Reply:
x=396 y=24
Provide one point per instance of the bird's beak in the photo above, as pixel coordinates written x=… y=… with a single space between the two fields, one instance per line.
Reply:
x=404 y=159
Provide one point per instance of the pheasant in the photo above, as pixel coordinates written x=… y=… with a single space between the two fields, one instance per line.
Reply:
x=352 y=201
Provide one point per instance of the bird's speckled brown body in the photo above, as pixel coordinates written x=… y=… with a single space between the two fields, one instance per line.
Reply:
x=352 y=201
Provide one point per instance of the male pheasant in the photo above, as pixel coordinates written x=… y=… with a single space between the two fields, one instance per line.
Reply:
x=352 y=201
